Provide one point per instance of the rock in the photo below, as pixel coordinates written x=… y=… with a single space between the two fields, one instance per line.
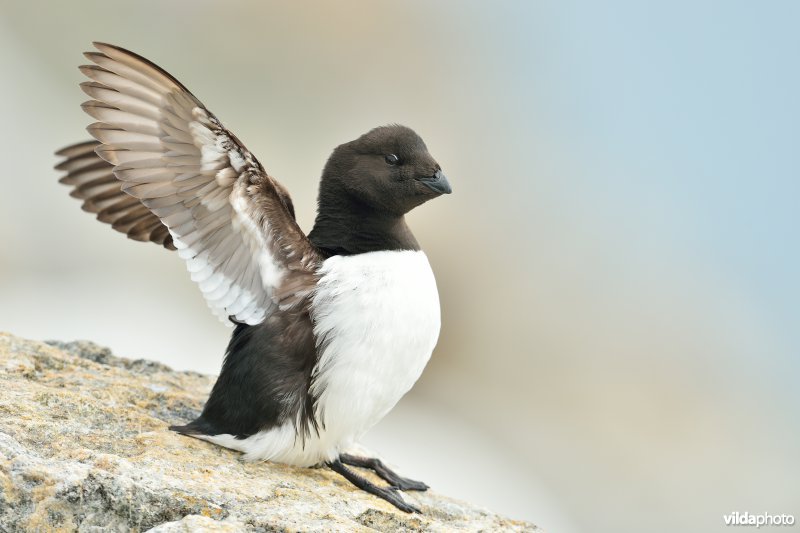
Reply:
x=84 y=446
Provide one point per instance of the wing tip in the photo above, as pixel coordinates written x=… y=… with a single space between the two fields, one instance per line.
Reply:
x=90 y=87
x=87 y=68
x=67 y=151
x=92 y=55
x=100 y=45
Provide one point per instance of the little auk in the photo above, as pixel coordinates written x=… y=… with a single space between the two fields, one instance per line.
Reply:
x=331 y=328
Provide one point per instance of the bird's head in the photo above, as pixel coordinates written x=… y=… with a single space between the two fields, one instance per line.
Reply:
x=388 y=169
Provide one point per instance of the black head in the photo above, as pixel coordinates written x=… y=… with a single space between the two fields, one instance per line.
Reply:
x=388 y=169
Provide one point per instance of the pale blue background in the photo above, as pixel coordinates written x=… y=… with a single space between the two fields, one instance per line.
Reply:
x=618 y=265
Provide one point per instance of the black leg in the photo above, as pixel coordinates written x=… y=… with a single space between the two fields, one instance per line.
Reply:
x=383 y=471
x=386 y=493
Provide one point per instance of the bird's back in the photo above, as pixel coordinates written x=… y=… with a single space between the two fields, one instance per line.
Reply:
x=264 y=379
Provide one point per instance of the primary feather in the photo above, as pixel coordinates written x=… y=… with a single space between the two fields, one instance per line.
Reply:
x=164 y=169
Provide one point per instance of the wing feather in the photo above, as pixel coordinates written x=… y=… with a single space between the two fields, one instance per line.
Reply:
x=165 y=169
x=92 y=180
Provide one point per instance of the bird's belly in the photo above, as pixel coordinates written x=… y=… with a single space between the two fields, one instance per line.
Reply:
x=376 y=321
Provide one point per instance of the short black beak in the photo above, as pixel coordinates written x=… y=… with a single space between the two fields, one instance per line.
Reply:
x=438 y=182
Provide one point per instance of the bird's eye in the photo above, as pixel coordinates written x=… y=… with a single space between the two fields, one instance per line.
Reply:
x=392 y=159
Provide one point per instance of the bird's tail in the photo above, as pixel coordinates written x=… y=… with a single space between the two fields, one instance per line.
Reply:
x=196 y=428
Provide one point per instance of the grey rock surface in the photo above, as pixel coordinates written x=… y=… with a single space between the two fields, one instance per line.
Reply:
x=84 y=446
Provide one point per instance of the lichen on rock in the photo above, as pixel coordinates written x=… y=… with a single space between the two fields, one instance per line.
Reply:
x=84 y=445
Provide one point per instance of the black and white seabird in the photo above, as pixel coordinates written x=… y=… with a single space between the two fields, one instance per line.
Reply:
x=331 y=329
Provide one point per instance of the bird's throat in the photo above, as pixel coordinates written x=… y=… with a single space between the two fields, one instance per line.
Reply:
x=345 y=232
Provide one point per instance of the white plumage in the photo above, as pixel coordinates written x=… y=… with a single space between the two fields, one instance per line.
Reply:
x=334 y=327
x=174 y=155
x=376 y=321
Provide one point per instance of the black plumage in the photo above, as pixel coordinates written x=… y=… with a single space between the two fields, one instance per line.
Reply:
x=164 y=169
x=264 y=381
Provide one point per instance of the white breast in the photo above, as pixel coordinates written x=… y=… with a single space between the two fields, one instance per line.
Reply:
x=376 y=320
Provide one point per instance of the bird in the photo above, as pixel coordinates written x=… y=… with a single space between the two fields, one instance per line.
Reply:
x=330 y=329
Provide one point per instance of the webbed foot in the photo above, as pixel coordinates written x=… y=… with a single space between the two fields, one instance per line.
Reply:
x=385 y=473
x=387 y=493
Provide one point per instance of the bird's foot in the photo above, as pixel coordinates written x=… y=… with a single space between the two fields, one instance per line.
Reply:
x=385 y=473
x=387 y=493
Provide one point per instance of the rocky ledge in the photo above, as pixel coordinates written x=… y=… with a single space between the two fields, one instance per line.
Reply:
x=84 y=445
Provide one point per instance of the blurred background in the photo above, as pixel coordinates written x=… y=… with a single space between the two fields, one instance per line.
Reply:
x=618 y=265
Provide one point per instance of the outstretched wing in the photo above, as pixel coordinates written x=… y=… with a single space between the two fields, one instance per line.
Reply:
x=92 y=180
x=231 y=222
